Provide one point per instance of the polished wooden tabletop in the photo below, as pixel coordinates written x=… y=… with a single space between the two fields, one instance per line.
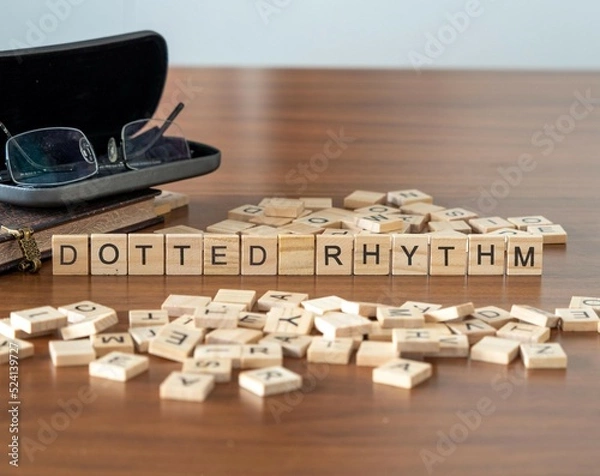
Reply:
x=498 y=143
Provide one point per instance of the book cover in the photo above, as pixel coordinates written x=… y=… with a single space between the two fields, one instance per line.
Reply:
x=124 y=212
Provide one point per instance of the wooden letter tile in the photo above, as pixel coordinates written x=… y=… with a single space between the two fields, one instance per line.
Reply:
x=533 y=315
x=245 y=212
x=146 y=254
x=233 y=336
x=334 y=254
x=363 y=198
x=327 y=351
x=216 y=315
x=142 y=337
x=9 y=347
x=579 y=320
x=523 y=222
x=259 y=255
x=71 y=353
x=108 y=254
x=322 y=305
x=292 y=345
x=219 y=368
x=495 y=350
x=522 y=332
x=143 y=318
x=221 y=254
x=373 y=354
x=372 y=254
x=448 y=254
x=179 y=304
x=403 y=373
x=396 y=317
x=71 y=255
x=110 y=342
x=283 y=207
x=252 y=320
x=339 y=324
x=551 y=234
x=39 y=319
x=247 y=297
x=255 y=356
x=492 y=315
x=489 y=224
x=186 y=386
x=474 y=329
x=410 y=254
x=228 y=351
x=486 y=255
x=406 y=197
x=454 y=346
x=229 y=227
x=420 y=340
x=184 y=254
x=175 y=342
x=524 y=255
x=290 y=320
x=269 y=381
x=543 y=356
x=450 y=314
x=280 y=299
x=296 y=255
x=119 y=366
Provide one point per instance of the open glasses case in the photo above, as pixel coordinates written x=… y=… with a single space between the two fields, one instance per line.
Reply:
x=96 y=86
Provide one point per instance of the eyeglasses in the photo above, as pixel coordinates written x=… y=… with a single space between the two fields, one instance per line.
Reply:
x=55 y=156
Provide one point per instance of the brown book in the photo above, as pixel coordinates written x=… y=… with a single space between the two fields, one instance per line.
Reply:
x=124 y=213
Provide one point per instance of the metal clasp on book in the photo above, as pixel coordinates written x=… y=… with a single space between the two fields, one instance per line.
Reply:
x=32 y=258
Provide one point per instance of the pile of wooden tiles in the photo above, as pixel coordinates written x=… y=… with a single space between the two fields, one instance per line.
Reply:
x=398 y=233
x=236 y=329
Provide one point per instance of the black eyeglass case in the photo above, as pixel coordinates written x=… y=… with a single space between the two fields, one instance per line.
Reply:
x=96 y=86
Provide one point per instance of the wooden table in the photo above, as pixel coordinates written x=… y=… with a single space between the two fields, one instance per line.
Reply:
x=459 y=136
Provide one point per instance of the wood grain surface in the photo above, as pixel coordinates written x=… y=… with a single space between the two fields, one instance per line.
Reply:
x=498 y=143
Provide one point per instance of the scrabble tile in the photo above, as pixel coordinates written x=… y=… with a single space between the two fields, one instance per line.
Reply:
x=339 y=232
x=363 y=198
x=486 y=255
x=585 y=301
x=403 y=373
x=229 y=227
x=437 y=328
x=179 y=230
x=524 y=255
x=39 y=319
x=373 y=354
x=492 y=315
x=14 y=348
x=110 y=342
x=252 y=320
x=458 y=225
x=89 y=326
x=448 y=254
x=144 y=318
x=260 y=231
x=543 y=356
x=422 y=307
x=283 y=207
x=119 y=366
x=578 y=320
x=299 y=228
x=264 y=220
x=71 y=255
x=184 y=254
x=269 y=381
x=450 y=314
x=296 y=255
x=276 y=298
x=8 y=330
x=245 y=212
x=417 y=223
x=216 y=315
x=330 y=351
x=522 y=332
x=376 y=210
x=108 y=254
x=421 y=208
x=261 y=355
x=362 y=308
x=259 y=255
x=221 y=254
x=71 y=353
x=474 y=329
x=372 y=254
x=146 y=253
x=410 y=254
x=291 y=320
x=418 y=340
x=232 y=352
x=175 y=342
x=219 y=368
x=292 y=345
x=334 y=254
x=533 y=315
x=407 y=197
x=82 y=310
x=489 y=224
x=247 y=297
x=523 y=222
x=551 y=234
x=233 y=336
x=495 y=350
x=379 y=334
x=453 y=214
x=381 y=223
x=317 y=203
x=179 y=304
x=321 y=305
x=187 y=320
x=169 y=201
x=186 y=386
x=142 y=336
x=453 y=346
x=339 y=324
x=396 y=317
